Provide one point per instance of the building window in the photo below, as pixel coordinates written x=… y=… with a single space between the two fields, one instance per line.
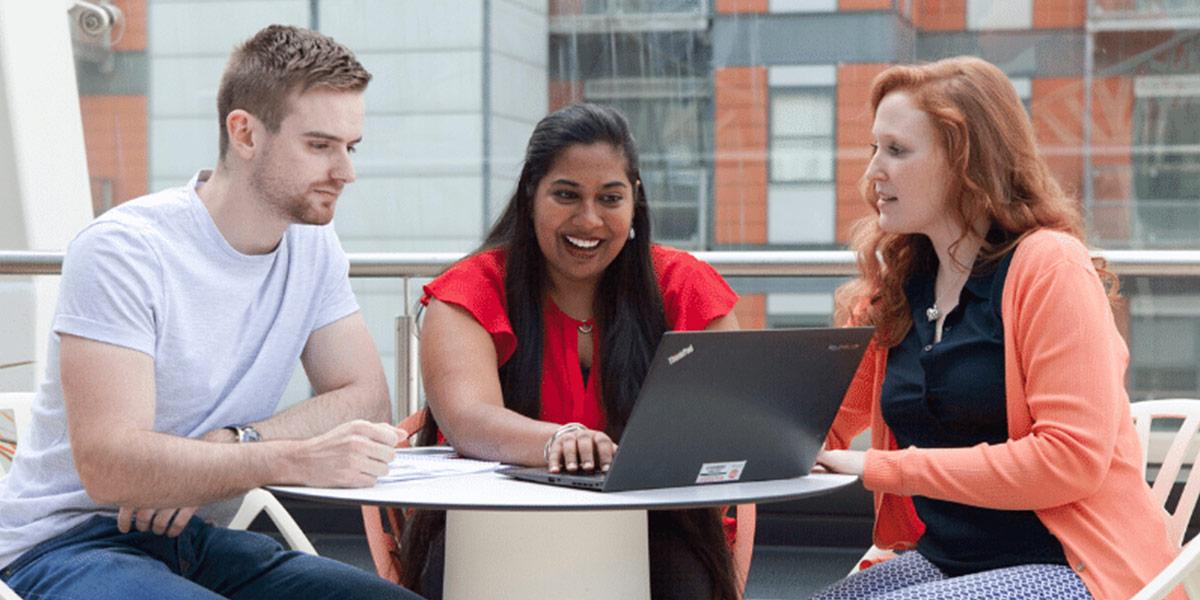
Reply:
x=802 y=140
x=801 y=196
x=1166 y=155
x=999 y=14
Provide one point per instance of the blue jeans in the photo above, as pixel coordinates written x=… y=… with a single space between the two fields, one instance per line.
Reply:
x=95 y=560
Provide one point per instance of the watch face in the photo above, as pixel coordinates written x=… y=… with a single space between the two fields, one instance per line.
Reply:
x=248 y=434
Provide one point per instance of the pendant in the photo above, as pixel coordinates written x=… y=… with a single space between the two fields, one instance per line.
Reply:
x=584 y=328
x=932 y=313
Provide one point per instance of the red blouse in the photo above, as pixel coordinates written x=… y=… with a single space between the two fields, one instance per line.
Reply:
x=693 y=296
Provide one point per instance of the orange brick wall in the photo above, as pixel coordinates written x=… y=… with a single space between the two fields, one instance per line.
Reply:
x=853 y=5
x=134 y=37
x=1104 y=5
x=1058 y=14
x=1056 y=108
x=566 y=7
x=740 y=140
x=940 y=15
x=751 y=311
x=114 y=132
x=563 y=93
x=741 y=6
x=1112 y=159
x=853 y=141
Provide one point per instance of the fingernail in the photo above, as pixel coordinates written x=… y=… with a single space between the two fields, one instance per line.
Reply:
x=570 y=466
x=604 y=468
x=587 y=466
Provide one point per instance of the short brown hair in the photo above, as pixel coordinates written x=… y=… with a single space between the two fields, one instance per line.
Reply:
x=277 y=61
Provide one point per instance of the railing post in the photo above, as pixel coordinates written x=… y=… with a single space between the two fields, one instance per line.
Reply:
x=407 y=395
x=408 y=392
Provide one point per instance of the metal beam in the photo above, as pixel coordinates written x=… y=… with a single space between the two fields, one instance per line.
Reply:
x=767 y=263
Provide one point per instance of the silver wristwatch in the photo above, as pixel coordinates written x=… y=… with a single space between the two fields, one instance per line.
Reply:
x=245 y=433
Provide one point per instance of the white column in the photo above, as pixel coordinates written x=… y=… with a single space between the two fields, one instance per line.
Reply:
x=563 y=554
x=44 y=193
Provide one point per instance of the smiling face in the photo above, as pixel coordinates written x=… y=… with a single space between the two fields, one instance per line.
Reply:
x=302 y=168
x=582 y=212
x=909 y=172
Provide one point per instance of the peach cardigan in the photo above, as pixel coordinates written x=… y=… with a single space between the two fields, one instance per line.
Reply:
x=1072 y=455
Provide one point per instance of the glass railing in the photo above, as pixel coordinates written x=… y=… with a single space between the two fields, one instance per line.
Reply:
x=1159 y=313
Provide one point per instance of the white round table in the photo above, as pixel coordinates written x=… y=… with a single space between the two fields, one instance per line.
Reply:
x=514 y=539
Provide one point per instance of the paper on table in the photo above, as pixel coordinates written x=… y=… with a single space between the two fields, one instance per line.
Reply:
x=432 y=461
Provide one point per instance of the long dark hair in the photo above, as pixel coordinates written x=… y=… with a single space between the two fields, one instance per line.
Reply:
x=628 y=310
x=628 y=305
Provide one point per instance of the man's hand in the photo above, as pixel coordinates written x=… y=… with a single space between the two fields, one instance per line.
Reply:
x=160 y=520
x=170 y=521
x=352 y=454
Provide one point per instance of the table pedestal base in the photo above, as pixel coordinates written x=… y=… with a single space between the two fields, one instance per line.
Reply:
x=549 y=554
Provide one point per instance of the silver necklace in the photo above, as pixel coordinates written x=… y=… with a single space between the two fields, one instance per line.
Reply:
x=932 y=313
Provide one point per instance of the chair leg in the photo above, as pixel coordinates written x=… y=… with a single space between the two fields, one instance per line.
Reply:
x=259 y=500
x=6 y=593
x=381 y=544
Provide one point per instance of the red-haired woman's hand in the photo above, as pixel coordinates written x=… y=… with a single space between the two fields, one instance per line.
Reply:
x=849 y=462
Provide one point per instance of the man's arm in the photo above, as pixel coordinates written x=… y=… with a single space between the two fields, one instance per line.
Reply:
x=343 y=367
x=109 y=394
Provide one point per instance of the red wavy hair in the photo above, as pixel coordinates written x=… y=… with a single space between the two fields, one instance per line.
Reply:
x=998 y=175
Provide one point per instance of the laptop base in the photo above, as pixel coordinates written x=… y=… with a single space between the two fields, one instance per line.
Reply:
x=583 y=481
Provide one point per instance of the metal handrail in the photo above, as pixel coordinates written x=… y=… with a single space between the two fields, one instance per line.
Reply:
x=731 y=263
x=768 y=263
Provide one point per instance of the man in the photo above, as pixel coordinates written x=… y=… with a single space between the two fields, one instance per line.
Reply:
x=180 y=319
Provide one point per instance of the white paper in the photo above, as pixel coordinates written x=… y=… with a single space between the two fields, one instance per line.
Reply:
x=432 y=461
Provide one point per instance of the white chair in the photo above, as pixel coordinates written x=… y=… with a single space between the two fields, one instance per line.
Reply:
x=1177 y=449
x=6 y=593
x=1177 y=452
x=259 y=500
x=1184 y=570
x=255 y=502
x=21 y=405
x=873 y=555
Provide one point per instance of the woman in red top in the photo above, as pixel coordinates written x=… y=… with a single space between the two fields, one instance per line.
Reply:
x=533 y=348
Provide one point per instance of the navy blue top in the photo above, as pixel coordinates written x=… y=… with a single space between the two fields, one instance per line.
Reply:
x=951 y=395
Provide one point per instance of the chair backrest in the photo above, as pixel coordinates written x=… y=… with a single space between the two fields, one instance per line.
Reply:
x=21 y=405
x=1182 y=451
x=384 y=542
x=1183 y=571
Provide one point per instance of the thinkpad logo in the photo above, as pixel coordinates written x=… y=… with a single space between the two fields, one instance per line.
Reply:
x=678 y=356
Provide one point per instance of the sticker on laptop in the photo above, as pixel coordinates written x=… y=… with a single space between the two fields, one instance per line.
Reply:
x=721 y=472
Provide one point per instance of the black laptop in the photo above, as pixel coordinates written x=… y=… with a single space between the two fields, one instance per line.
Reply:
x=726 y=406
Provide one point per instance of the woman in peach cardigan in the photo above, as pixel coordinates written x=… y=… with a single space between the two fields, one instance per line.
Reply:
x=1003 y=458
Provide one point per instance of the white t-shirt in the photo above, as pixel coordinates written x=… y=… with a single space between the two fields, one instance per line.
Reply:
x=225 y=331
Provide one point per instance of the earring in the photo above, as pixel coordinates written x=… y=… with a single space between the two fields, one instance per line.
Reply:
x=632 y=233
